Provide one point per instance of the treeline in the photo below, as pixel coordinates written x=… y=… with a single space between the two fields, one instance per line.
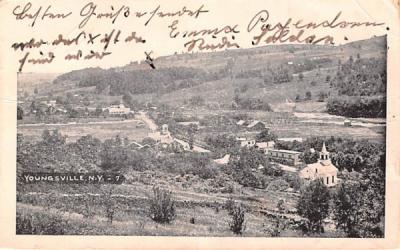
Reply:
x=361 y=85
x=137 y=81
x=250 y=103
x=361 y=77
x=346 y=153
x=360 y=106
x=308 y=65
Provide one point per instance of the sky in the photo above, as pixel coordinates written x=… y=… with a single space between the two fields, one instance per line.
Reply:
x=156 y=32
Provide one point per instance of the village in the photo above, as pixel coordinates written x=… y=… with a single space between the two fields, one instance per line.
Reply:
x=287 y=160
x=224 y=147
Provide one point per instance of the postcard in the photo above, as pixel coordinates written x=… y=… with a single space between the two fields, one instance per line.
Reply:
x=199 y=124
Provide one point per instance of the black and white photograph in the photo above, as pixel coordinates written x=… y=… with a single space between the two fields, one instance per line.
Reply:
x=282 y=140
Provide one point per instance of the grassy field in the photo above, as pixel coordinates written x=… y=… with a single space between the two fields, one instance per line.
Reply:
x=287 y=124
x=198 y=213
x=101 y=130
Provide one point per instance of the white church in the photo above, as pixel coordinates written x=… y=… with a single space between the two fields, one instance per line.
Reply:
x=322 y=169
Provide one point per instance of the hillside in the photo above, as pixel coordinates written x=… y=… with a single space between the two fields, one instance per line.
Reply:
x=269 y=73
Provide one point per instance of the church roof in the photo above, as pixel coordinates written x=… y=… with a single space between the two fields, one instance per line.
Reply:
x=319 y=168
x=323 y=150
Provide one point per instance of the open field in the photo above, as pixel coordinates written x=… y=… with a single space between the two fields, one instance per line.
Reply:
x=101 y=130
x=296 y=124
x=208 y=210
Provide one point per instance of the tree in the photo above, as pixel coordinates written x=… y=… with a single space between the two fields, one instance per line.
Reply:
x=98 y=111
x=149 y=141
x=313 y=205
x=53 y=138
x=360 y=203
x=308 y=96
x=20 y=113
x=278 y=222
x=321 y=96
x=243 y=164
x=308 y=157
x=351 y=60
x=301 y=77
x=328 y=78
x=110 y=205
x=35 y=91
x=191 y=133
x=346 y=209
x=238 y=223
x=265 y=136
x=162 y=206
x=73 y=113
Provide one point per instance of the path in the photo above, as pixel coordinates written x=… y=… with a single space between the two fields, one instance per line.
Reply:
x=146 y=119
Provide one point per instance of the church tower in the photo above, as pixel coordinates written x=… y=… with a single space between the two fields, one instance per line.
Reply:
x=324 y=155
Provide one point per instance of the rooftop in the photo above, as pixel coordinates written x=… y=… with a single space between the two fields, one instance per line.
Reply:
x=284 y=151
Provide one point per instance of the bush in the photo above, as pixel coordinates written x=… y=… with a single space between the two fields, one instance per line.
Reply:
x=162 y=206
x=230 y=205
x=238 y=224
x=308 y=96
x=110 y=206
x=40 y=224
x=278 y=185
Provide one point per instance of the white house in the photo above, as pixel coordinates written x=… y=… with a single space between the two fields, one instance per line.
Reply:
x=224 y=160
x=323 y=169
x=291 y=139
x=241 y=122
x=119 y=109
x=256 y=125
x=265 y=146
x=245 y=142
x=163 y=136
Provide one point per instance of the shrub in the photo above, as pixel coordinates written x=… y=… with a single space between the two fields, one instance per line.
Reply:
x=238 y=224
x=278 y=185
x=88 y=210
x=40 y=224
x=308 y=96
x=230 y=205
x=110 y=206
x=301 y=77
x=162 y=206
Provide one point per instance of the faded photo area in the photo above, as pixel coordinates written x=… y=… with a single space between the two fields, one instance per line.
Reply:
x=273 y=141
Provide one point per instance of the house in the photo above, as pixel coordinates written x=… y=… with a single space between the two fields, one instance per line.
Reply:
x=224 y=160
x=186 y=146
x=256 y=125
x=189 y=123
x=347 y=123
x=134 y=145
x=287 y=157
x=163 y=136
x=291 y=139
x=241 y=122
x=245 y=142
x=323 y=169
x=265 y=146
x=52 y=103
x=119 y=109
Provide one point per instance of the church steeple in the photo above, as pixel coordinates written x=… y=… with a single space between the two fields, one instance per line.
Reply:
x=324 y=154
